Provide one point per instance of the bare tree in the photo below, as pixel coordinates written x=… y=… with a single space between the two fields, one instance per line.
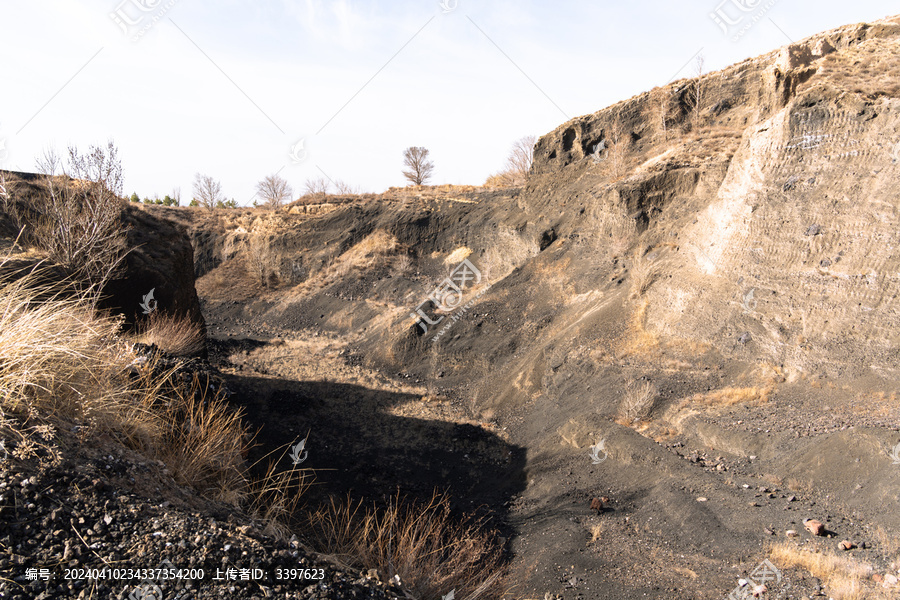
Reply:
x=207 y=191
x=345 y=189
x=274 y=191
x=78 y=222
x=415 y=158
x=316 y=187
x=662 y=95
x=698 y=87
x=521 y=157
x=48 y=162
x=176 y=195
x=615 y=151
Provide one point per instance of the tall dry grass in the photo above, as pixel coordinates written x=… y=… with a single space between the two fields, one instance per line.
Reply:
x=62 y=365
x=179 y=336
x=843 y=578
x=432 y=553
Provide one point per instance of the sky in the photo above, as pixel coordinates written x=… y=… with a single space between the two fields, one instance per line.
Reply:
x=337 y=89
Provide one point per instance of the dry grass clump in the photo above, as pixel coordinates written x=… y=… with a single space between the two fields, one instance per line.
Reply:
x=645 y=270
x=870 y=68
x=844 y=578
x=179 y=336
x=509 y=250
x=729 y=396
x=61 y=366
x=638 y=341
x=431 y=552
x=637 y=401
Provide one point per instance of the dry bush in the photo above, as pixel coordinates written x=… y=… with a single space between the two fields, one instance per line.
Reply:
x=645 y=270
x=431 y=552
x=844 y=578
x=260 y=259
x=637 y=402
x=77 y=221
x=179 y=336
x=518 y=164
x=509 y=251
x=316 y=188
x=503 y=179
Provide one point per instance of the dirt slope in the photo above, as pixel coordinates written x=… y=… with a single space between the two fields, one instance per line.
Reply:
x=740 y=257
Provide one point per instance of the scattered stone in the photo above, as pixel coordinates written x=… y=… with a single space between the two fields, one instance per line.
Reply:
x=745 y=338
x=791 y=533
x=701 y=499
x=846 y=545
x=814 y=527
x=597 y=504
x=813 y=230
x=890 y=580
x=755 y=504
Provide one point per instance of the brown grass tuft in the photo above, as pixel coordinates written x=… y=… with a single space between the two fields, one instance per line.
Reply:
x=637 y=401
x=729 y=397
x=844 y=578
x=179 y=336
x=431 y=552
x=61 y=366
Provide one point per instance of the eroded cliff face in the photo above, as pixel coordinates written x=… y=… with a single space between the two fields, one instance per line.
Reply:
x=773 y=208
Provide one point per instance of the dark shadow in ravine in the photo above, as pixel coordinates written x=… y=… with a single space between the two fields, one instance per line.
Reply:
x=355 y=446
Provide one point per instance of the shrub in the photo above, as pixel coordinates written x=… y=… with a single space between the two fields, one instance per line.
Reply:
x=77 y=221
x=637 y=401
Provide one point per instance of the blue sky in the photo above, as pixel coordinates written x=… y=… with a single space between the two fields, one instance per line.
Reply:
x=229 y=88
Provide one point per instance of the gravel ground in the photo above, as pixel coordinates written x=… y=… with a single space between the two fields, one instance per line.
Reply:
x=60 y=520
